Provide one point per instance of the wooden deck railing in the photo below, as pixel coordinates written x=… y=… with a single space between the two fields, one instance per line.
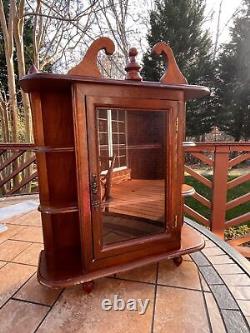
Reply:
x=18 y=174
x=220 y=158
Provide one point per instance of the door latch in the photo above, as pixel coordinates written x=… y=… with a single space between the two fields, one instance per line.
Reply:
x=95 y=202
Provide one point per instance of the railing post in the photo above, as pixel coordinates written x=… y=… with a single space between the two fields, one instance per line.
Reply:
x=219 y=190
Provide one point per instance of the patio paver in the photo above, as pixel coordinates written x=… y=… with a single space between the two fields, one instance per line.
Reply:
x=209 y=292
x=33 y=291
x=18 y=316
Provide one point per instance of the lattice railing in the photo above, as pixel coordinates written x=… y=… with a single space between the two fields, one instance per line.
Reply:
x=222 y=204
x=18 y=174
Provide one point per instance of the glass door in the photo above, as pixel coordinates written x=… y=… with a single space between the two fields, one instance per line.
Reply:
x=129 y=151
x=132 y=174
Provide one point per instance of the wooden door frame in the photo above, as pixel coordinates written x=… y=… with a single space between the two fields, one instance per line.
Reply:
x=85 y=120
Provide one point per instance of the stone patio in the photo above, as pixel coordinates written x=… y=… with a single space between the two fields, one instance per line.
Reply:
x=209 y=292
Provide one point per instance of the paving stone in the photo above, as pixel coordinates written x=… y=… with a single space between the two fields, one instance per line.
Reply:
x=234 y=321
x=82 y=313
x=200 y=259
x=236 y=279
x=33 y=291
x=210 y=275
x=245 y=307
x=186 y=275
x=32 y=218
x=209 y=243
x=223 y=297
x=204 y=285
x=174 y=311
x=218 y=260
x=29 y=234
x=10 y=249
x=142 y=274
x=21 y=317
x=228 y=269
x=12 y=230
x=16 y=209
x=30 y=256
x=2 y=263
x=212 y=251
x=240 y=292
x=187 y=257
x=214 y=314
x=12 y=276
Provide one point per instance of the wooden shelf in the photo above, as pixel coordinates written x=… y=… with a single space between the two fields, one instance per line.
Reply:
x=67 y=269
x=48 y=149
x=64 y=270
x=58 y=209
x=189 y=144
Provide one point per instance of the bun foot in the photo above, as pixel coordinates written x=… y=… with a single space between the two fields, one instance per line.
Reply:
x=177 y=261
x=88 y=286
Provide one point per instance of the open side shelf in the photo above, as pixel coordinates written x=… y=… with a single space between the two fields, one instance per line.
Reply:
x=49 y=149
x=58 y=209
x=63 y=275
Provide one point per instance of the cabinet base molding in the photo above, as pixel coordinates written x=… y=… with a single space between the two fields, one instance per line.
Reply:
x=69 y=275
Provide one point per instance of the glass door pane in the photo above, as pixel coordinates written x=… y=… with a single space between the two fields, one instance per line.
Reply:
x=132 y=159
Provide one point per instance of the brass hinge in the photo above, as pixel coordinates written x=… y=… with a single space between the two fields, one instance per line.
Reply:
x=176 y=221
x=177 y=124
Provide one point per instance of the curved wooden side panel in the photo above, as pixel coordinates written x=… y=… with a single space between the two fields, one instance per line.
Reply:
x=88 y=65
x=173 y=73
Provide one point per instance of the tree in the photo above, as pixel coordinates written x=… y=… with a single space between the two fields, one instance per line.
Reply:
x=57 y=27
x=7 y=25
x=180 y=24
x=118 y=20
x=232 y=89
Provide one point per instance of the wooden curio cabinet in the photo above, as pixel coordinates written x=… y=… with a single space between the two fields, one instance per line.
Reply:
x=110 y=164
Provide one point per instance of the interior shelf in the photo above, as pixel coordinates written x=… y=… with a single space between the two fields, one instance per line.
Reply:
x=71 y=208
x=48 y=149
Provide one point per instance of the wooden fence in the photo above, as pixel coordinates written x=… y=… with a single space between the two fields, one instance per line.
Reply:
x=220 y=160
x=18 y=175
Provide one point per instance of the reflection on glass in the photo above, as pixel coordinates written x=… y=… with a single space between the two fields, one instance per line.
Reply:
x=132 y=173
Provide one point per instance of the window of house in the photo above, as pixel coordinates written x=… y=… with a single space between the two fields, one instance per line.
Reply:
x=112 y=137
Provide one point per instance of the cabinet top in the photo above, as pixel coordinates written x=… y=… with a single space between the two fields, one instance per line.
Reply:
x=88 y=72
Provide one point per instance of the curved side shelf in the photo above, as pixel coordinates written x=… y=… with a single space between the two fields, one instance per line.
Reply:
x=47 y=149
x=189 y=144
x=57 y=210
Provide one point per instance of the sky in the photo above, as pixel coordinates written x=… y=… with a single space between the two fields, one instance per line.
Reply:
x=228 y=8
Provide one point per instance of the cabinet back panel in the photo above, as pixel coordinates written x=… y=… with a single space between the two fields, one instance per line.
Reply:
x=57 y=118
x=62 y=231
x=62 y=178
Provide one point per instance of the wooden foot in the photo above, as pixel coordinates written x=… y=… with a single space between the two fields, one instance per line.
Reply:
x=178 y=261
x=88 y=286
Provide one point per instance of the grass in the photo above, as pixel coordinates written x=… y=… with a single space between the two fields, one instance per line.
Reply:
x=232 y=194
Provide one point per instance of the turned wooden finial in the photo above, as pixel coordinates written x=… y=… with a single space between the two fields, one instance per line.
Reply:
x=32 y=69
x=132 y=68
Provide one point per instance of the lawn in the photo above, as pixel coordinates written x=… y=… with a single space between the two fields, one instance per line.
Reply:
x=207 y=193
